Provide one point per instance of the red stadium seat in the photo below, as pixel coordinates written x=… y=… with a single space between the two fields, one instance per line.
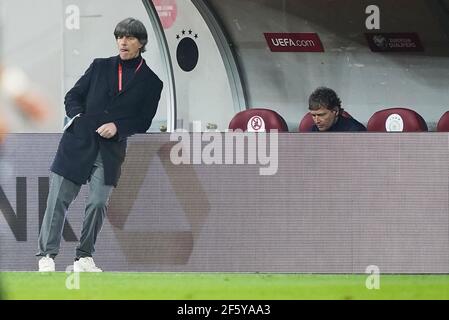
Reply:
x=443 y=123
x=396 y=120
x=307 y=123
x=258 y=120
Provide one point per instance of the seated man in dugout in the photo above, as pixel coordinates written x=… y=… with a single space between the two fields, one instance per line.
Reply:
x=327 y=113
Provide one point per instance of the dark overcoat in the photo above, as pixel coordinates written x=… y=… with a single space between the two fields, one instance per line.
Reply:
x=96 y=96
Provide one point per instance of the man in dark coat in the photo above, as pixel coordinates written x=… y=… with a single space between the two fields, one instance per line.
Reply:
x=115 y=98
x=328 y=115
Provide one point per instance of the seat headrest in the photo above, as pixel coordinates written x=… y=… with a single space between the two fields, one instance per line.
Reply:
x=396 y=120
x=258 y=120
x=443 y=123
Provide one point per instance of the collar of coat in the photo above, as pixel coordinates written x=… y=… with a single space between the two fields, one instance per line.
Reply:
x=113 y=76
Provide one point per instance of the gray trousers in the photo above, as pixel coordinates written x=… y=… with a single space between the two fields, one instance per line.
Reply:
x=61 y=194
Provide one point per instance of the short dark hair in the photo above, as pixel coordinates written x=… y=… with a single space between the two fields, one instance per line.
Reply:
x=131 y=27
x=324 y=97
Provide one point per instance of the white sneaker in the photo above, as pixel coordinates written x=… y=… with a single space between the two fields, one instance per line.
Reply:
x=86 y=264
x=46 y=264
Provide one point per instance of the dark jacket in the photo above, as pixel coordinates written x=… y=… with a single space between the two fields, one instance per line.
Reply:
x=344 y=124
x=96 y=96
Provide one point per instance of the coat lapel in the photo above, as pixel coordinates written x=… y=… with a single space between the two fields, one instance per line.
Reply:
x=112 y=77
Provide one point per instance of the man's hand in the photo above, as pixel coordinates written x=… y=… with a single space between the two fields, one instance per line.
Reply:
x=108 y=130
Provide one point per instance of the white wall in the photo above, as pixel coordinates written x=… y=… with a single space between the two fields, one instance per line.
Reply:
x=202 y=94
x=366 y=81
